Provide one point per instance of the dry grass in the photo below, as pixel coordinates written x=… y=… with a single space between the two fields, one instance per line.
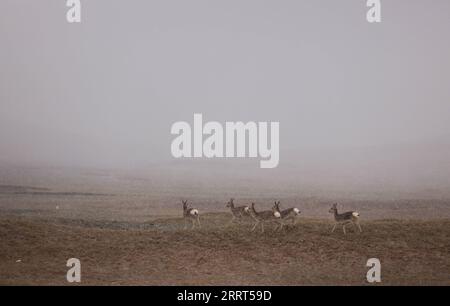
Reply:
x=162 y=253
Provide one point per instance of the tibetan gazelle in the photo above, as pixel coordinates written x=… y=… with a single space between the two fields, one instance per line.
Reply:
x=344 y=218
x=286 y=214
x=263 y=216
x=191 y=214
x=238 y=212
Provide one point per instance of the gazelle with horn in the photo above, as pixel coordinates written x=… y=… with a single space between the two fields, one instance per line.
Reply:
x=344 y=218
x=190 y=213
x=238 y=212
x=286 y=214
x=264 y=216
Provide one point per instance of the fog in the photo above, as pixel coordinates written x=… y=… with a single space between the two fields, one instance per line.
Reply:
x=354 y=100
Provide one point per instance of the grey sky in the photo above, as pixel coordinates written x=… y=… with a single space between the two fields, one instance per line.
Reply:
x=105 y=92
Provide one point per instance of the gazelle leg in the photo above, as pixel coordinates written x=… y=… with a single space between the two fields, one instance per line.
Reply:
x=254 y=226
x=198 y=221
x=334 y=227
x=343 y=229
x=359 y=226
x=277 y=226
x=193 y=223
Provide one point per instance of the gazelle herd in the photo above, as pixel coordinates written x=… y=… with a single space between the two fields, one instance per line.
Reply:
x=280 y=217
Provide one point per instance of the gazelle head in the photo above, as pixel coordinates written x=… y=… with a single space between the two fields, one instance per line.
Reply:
x=185 y=205
x=333 y=208
x=230 y=203
x=276 y=206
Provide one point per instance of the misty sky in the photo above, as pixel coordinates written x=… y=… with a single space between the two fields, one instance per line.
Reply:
x=105 y=92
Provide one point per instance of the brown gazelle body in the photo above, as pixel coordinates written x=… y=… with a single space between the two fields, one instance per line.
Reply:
x=289 y=214
x=344 y=218
x=238 y=212
x=190 y=213
x=264 y=216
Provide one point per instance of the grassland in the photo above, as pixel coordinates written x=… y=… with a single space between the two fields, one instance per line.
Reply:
x=34 y=251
